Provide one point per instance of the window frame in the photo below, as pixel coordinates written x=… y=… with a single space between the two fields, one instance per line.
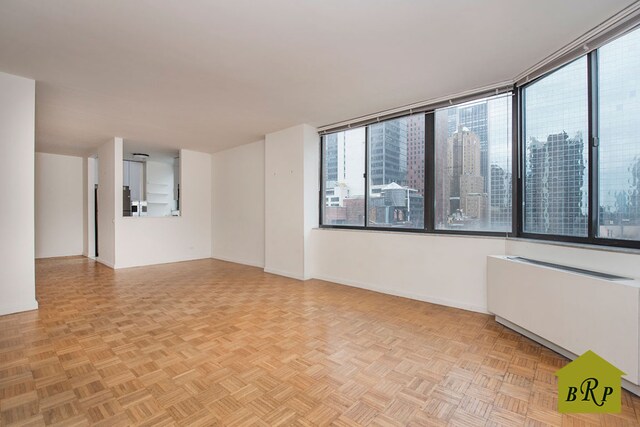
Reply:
x=523 y=153
x=322 y=189
x=432 y=166
x=518 y=154
x=592 y=173
x=429 y=179
x=367 y=180
x=365 y=226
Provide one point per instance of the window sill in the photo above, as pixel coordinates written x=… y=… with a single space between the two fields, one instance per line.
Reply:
x=412 y=233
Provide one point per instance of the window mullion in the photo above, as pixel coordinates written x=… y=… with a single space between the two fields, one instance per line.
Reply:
x=366 y=176
x=321 y=196
x=429 y=171
x=517 y=144
x=593 y=144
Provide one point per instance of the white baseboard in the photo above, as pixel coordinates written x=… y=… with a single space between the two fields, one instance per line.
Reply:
x=172 y=261
x=57 y=256
x=284 y=273
x=238 y=261
x=410 y=295
x=626 y=384
x=18 y=307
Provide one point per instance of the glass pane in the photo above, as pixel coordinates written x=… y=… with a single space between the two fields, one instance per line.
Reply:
x=555 y=134
x=473 y=166
x=619 y=152
x=396 y=173
x=343 y=176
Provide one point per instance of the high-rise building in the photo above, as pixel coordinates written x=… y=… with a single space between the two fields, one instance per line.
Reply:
x=486 y=120
x=388 y=152
x=475 y=118
x=466 y=184
x=331 y=156
x=396 y=168
x=555 y=177
x=415 y=152
x=343 y=171
x=343 y=166
x=500 y=197
x=441 y=188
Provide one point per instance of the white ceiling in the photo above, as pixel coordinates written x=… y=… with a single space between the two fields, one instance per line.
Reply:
x=208 y=75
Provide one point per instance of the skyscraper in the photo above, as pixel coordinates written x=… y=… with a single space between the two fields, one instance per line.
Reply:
x=489 y=120
x=475 y=118
x=555 y=177
x=466 y=184
x=388 y=152
x=331 y=157
x=415 y=152
x=500 y=197
x=343 y=171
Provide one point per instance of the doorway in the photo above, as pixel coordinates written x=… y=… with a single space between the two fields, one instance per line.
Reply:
x=91 y=207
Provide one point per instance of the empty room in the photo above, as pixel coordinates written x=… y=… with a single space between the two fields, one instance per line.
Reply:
x=320 y=213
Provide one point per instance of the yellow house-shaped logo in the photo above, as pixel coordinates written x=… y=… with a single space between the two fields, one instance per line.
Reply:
x=589 y=384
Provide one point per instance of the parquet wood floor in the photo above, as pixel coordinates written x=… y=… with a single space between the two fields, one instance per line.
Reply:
x=207 y=343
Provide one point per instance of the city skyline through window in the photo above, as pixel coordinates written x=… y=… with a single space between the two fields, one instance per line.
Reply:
x=556 y=181
x=473 y=166
x=619 y=149
x=450 y=169
x=396 y=173
x=343 y=177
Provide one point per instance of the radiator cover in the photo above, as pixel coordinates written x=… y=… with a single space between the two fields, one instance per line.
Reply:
x=574 y=311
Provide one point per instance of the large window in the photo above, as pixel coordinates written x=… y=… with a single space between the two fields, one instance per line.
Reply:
x=582 y=157
x=396 y=173
x=343 y=163
x=473 y=166
x=619 y=135
x=453 y=168
x=472 y=172
x=556 y=181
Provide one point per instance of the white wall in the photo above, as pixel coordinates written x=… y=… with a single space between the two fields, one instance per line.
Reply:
x=109 y=169
x=238 y=204
x=311 y=191
x=291 y=180
x=59 y=205
x=448 y=270
x=148 y=240
x=17 y=150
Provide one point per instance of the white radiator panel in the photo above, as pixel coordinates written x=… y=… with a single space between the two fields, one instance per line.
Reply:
x=574 y=311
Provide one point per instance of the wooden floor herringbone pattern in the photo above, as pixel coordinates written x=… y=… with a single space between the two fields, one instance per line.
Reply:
x=214 y=343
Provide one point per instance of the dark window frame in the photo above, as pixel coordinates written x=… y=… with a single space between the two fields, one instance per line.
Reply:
x=522 y=161
x=429 y=179
x=592 y=238
x=432 y=173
